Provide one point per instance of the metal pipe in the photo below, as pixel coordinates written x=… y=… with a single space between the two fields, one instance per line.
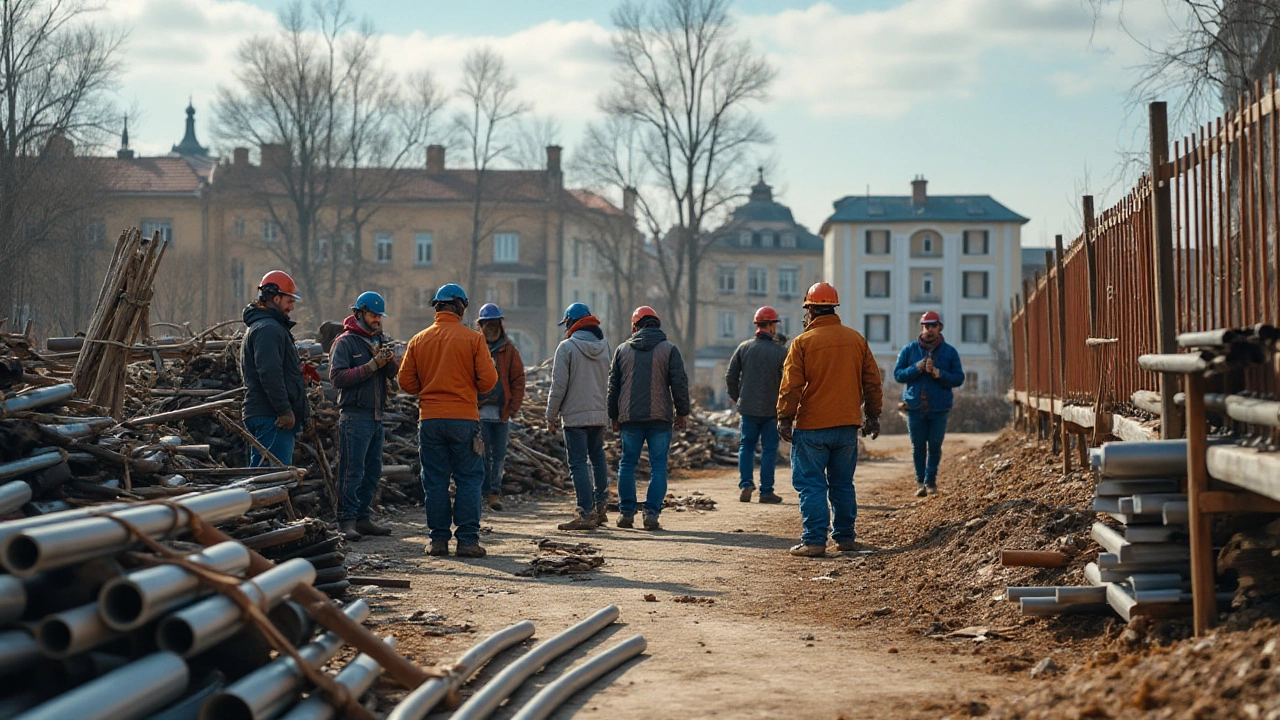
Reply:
x=17 y=651
x=1209 y=338
x=1150 y=459
x=134 y=691
x=1253 y=411
x=9 y=528
x=132 y=600
x=194 y=629
x=418 y=703
x=357 y=677
x=484 y=702
x=1179 y=363
x=52 y=546
x=1017 y=593
x=553 y=696
x=89 y=426
x=269 y=689
x=30 y=464
x=13 y=599
x=73 y=631
x=38 y=398
x=1217 y=402
x=13 y=495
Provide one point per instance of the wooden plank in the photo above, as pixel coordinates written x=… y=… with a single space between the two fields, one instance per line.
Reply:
x=1202 y=572
x=1032 y=558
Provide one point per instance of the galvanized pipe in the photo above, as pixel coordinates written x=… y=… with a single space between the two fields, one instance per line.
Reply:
x=197 y=628
x=1150 y=459
x=1180 y=363
x=269 y=689
x=1210 y=338
x=357 y=677
x=13 y=495
x=13 y=599
x=1253 y=411
x=134 y=691
x=553 y=696
x=418 y=703
x=484 y=702
x=81 y=429
x=132 y=600
x=17 y=651
x=30 y=464
x=9 y=528
x=38 y=398
x=73 y=631
x=52 y=546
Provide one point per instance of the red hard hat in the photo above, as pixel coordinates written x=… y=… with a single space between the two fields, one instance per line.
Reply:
x=643 y=311
x=930 y=317
x=821 y=293
x=280 y=282
x=766 y=314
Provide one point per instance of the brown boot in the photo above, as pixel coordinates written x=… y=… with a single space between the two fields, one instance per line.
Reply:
x=626 y=521
x=803 y=550
x=768 y=498
x=438 y=548
x=602 y=516
x=348 y=528
x=580 y=521
x=651 y=522
x=366 y=526
x=745 y=495
x=495 y=502
x=470 y=551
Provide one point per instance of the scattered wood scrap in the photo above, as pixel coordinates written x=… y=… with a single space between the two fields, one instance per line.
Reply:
x=693 y=501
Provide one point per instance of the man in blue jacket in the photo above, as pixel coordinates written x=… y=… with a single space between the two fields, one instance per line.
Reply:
x=929 y=368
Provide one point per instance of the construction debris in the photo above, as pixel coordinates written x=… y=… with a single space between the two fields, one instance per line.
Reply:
x=694 y=501
x=561 y=558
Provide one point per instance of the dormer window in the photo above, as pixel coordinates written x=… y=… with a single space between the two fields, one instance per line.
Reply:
x=788 y=240
x=744 y=238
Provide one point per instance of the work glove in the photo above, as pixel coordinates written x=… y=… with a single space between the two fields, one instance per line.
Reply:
x=871 y=427
x=552 y=425
x=616 y=426
x=682 y=422
x=286 y=421
x=784 y=428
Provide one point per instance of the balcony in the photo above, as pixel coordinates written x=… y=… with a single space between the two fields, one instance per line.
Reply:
x=923 y=299
x=926 y=255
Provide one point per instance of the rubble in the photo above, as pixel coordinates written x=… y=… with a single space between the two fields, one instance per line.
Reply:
x=561 y=558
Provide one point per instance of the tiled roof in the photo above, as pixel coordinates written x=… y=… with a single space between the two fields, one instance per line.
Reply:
x=147 y=175
x=937 y=208
x=592 y=201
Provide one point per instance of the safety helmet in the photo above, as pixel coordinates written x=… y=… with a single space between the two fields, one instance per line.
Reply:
x=574 y=313
x=489 y=311
x=643 y=311
x=449 y=292
x=278 y=282
x=930 y=317
x=370 y=301
x=821 y=293
x=766 y=314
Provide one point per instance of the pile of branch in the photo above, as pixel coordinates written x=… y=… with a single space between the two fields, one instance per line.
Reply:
x=561 y=558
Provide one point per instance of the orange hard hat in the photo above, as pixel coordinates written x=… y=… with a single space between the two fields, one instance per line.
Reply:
x=643 y=311
x=766 y=314
x=821 y=293
x=930 y=317
x=278 y=281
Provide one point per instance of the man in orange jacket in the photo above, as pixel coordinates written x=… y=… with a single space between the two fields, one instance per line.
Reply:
x=448 y=367
x=828 y=377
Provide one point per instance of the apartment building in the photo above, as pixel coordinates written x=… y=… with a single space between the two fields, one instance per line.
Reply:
x=894 y=257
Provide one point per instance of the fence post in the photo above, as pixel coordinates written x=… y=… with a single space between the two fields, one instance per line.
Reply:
x=1049 y=311
x=1061 y=291
x=1091 y=262
x=1162 y=254
x=1033 y=403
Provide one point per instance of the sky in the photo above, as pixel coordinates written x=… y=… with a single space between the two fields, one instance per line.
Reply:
x=1025 y=100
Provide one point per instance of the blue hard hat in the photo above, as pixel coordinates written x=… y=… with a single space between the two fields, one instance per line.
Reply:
x=370 y=301
x=575 y=312
x=450 y=291
x=489 y=311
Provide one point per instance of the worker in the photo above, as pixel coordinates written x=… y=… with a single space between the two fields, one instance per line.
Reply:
x=578 y=402
x=830 y=388
x=753 y=378
x=275 y=399
x=448 y=367
x=500 y=404
x=362 y=367
x=928 y=368
x=648 y=392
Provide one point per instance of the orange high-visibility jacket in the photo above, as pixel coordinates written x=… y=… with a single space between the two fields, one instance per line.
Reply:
x=447 y=366
x=829 y=373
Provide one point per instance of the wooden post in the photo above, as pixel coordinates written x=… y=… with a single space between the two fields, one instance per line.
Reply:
x=1026 y=347
x=1162 y=254
x=1204 y=601
x=1091 y=262
x=1061 y=291
x=1049 y=310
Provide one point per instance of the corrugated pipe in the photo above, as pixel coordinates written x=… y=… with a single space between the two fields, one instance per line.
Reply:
x=30 y=464
x=134 y=691
x=132 y=600
x=13 y=496
x=484 y=702
x=554 y=695
x=357 y=677
x=38 y=398
x=17 y=651
x=1150 y=459
x=418 y=703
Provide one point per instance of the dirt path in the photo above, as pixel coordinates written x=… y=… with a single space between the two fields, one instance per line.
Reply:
x=736 y=654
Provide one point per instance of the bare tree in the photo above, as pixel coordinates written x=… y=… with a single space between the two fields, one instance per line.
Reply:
x=688 y=82
x=533 y=134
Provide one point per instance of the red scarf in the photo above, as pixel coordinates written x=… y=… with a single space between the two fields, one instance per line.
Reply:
x=585 y=322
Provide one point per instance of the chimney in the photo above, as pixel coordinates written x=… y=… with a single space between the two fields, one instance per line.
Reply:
x=240 y=157
x=629 y=202
x=275 y=155
x=918 y=194
x=553 y=159
x=435 y=158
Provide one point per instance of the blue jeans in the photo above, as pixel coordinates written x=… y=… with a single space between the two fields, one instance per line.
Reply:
x=583 y=444
x=359 y=464
x=822 y=466
x=445 y=448
x=927 y=429
x=278 y=442
x=634 y=438
x=495 y=436
x=765 y=431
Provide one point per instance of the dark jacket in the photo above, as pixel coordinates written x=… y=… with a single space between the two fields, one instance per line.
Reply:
x=270 y=366
x=509 y=392
x=361 y=388
x=922 y=391
x=754 y=375
x=647 y=380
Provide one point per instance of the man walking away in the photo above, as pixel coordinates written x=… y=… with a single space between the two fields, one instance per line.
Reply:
x=579 y=389
x=362 y=368
x=829 y=376
x=498 y=405
x=448 y=367
x=275 y=399
x=753 y=378
x=929 y=368
x=648 y=391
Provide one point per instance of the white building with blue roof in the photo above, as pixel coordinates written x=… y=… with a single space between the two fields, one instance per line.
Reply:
x=892 y=258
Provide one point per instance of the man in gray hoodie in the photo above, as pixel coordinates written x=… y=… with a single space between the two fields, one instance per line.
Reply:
x=579 y=381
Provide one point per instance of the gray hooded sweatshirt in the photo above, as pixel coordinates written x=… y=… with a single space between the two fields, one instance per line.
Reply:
x=580 y=380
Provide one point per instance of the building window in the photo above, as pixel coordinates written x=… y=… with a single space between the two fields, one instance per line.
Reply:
x=270 y=231
x=926 y=285
x=727 y=279
x=382 y=246
x=973 y=328
x=977 y=242
x=238 y=224
x=727 y=326
x=347 y=250
x=95 y=233
x=237 y=280
x=757 y=281
x=506 y=248
x=164 y=227
x=877 y=284
x=876 y=328
x=877 y=242
x=788 y=239
x=788 y=282
x=323 y=246
x=971 y=381
x=975 y=284
x=926 y=244
x=744 y=238
x=784 y=325
x=423 y=246
x=422 y=297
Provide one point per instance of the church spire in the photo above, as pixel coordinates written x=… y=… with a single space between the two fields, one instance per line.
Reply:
x=189 y=144
x=125 y=153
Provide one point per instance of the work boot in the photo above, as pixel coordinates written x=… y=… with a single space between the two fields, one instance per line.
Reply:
x=495 y=502
x=803 y=550
x=470 y=551
x=348 y=528
x=651 y=522
x=580 y=521
x=627 y=521
x=852 y=546
x=931 y=489
x=745 y=495
x=602 y=516
x=768 y=498
x=920 y=490
x=438 y=548
x=366 y=526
